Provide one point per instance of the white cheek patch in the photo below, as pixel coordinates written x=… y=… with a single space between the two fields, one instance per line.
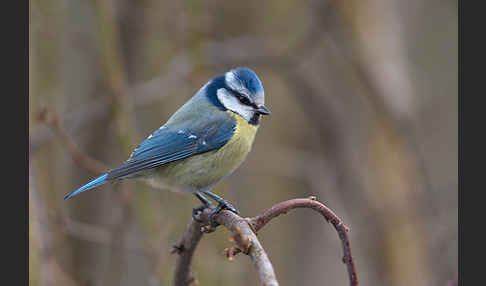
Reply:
x=233 y=104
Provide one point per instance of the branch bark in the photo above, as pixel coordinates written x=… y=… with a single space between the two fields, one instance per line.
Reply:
x=245 y=238
x=244 y=230
x=260 y=221
x=185 y=248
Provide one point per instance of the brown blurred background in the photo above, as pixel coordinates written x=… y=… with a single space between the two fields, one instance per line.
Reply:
x=364 y=99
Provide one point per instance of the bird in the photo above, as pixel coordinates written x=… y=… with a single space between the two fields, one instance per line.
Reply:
x=202 y=143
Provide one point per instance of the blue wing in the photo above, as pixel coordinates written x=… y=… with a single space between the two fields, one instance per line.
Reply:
x=169 y=144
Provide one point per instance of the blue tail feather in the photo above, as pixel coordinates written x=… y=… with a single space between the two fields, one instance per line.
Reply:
x=94 y=183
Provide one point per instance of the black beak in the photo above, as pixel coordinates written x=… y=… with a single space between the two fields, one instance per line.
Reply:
x=263 y=110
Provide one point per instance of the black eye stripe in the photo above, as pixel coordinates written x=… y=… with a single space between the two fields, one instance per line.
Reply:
x=243 y=99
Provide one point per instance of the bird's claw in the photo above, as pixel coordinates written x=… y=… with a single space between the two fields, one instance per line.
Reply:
x=221 y=206
x=231 y=208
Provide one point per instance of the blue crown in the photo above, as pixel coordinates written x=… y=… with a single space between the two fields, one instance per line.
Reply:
x=249 y=79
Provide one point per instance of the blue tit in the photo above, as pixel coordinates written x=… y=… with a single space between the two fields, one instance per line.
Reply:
x=202 y=143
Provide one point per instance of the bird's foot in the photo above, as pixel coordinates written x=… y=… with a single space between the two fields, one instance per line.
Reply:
x=221 y=206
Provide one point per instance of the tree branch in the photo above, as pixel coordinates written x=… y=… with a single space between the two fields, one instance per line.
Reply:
x=244 y=230
x=260 y=221
x=185 y=250
x=77 y=155
x=246 y=241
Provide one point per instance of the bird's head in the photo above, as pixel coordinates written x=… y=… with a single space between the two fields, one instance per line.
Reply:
x=241 y=91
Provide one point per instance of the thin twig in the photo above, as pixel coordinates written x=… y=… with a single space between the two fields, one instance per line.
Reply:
x=246 y=241
x=281 y=208
x=80 y=158
x=244 y=230
x=185 y=250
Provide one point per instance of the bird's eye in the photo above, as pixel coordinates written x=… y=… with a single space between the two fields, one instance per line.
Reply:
x=243 y=99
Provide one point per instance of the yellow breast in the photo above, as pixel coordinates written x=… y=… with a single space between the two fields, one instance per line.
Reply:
x=233 y=153
x=204 y=170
